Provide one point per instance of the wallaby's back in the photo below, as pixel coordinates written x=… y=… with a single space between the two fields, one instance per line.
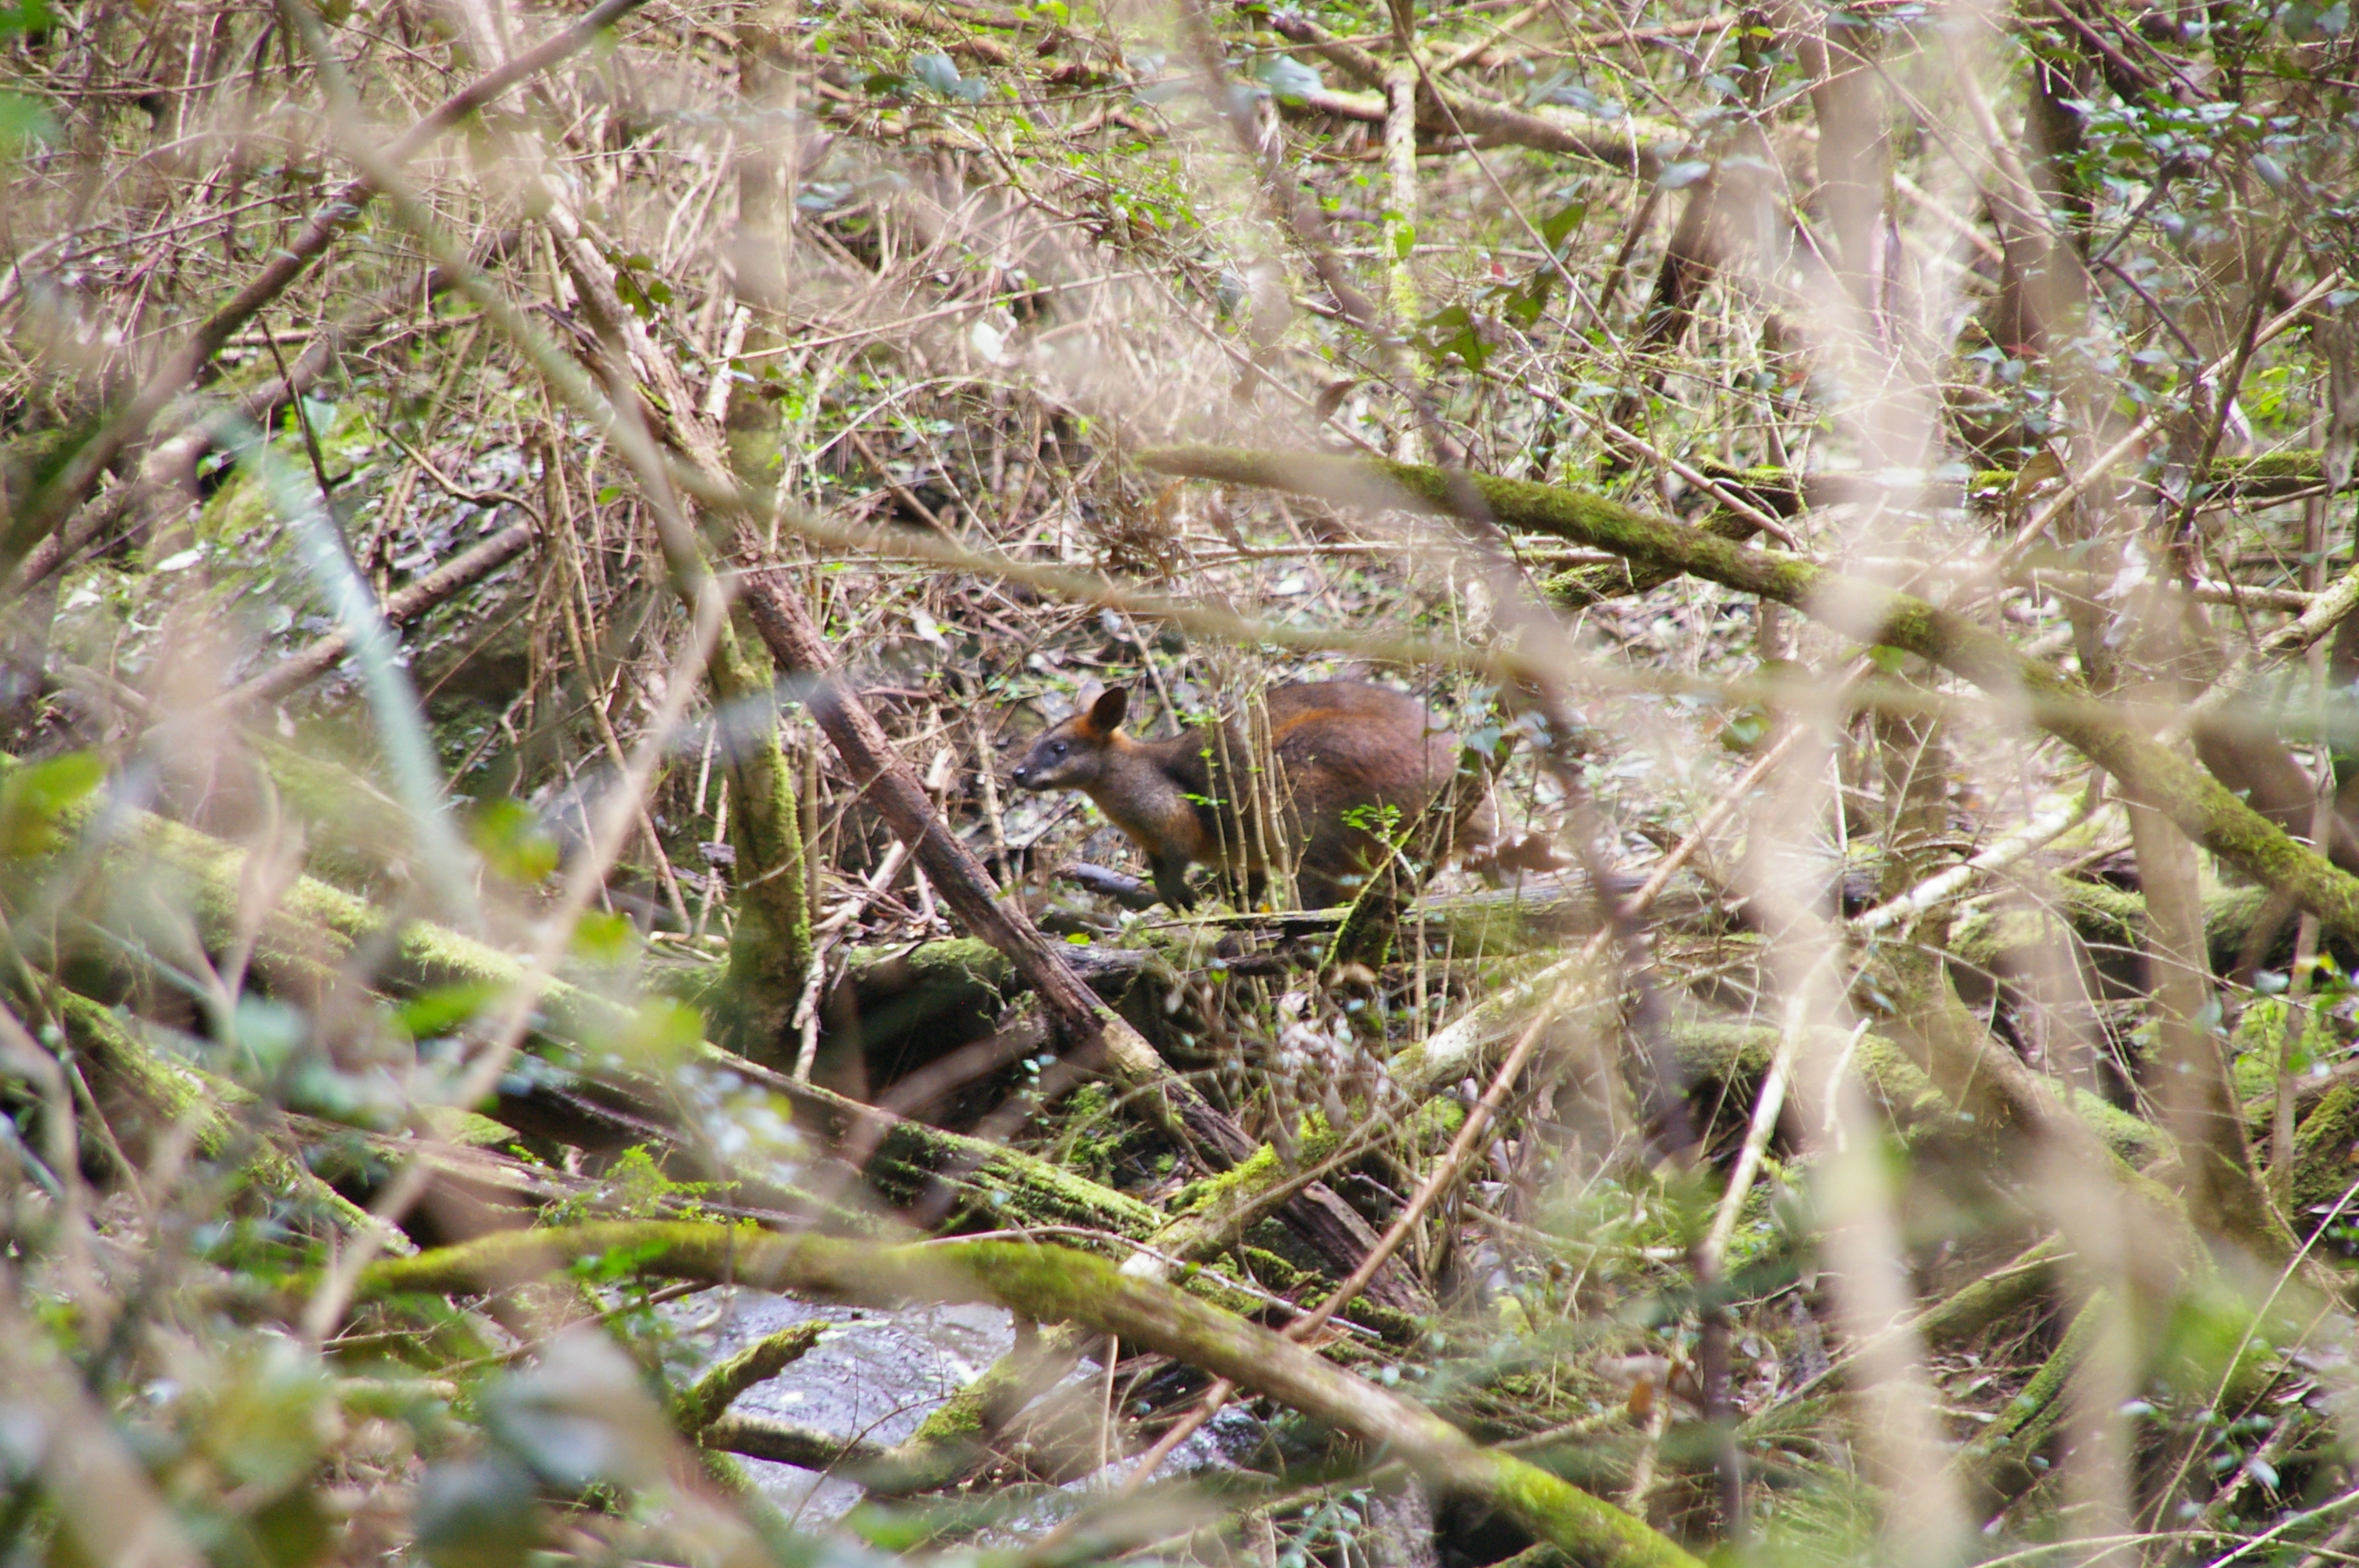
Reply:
x=1360 y=767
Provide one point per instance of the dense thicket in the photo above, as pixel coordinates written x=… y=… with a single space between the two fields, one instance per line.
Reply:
x=536 y=1024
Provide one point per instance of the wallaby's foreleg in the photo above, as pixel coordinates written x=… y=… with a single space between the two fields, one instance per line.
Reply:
x=1171 y=882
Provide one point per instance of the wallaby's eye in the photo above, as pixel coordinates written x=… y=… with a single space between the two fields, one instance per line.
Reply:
x=1059 y=747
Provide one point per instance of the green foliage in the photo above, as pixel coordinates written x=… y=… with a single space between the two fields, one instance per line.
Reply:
x=34 y=798
x=633 y=1187
x=514 y=839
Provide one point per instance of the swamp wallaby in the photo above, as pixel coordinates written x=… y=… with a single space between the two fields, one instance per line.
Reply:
x=1361 y=778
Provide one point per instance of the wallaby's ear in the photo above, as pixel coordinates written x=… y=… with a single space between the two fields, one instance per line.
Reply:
x=1104 y=709
x=1086 y=694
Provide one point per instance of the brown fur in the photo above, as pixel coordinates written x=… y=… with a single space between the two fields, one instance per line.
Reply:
x=1356 y=767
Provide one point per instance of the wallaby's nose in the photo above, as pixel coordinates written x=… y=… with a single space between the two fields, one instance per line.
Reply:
x=1021 y=776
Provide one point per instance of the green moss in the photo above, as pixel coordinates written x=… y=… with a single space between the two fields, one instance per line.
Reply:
x=957 y=961
x=466 y=1128
x=317 y=926
x=2001 y=1456
x=770 y=947
x=1437 y=1122
x=1228 y=1205
x=719 y=1387
x=1736 y=1055
x=1584 y=1527
x=165 y=1094
x=1899 y=1082
x=2132 y=1140
x=1257 y=1171
x=2325 y=1154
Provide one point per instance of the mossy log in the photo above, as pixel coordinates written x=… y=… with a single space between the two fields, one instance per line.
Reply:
x=2326 y=1157
x=784 y=1443
x=2008 y=1101
x=161 y=1094
x=2196 y=803
x=947 y=992
x=1953 y=1321
x=315 y=928
x=2261 y=477
x=1534 y=915
x=2107 y=926
x=1769 y=487
x=1723 y=1060
x=1053 y=1285
x=958 y=1433
x=1999 y=1294
x=1594 y=582
x=1999 y=1461
x=710 y=1397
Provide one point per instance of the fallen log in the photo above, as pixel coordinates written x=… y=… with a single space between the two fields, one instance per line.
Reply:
x=1053 y=1285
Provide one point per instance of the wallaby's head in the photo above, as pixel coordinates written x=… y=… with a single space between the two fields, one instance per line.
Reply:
x=1072 y=755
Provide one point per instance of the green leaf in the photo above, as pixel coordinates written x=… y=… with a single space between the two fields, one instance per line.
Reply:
x=662 y=1033
x=261 y=1424
x=892 y=1530
x=601 y=937
x=477 y=1513
x=294 y=1532
x=1563 y=221
x=38 y=794
x=1289 y=79
x=940 y=73
x=1453 y=330
x=1523 y=306
x=24 y=119
x=580 y=1416
x=442 y=1009
x=513 y=839
x=1745 y=729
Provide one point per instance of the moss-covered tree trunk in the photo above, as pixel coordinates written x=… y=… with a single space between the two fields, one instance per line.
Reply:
x=770 y=948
